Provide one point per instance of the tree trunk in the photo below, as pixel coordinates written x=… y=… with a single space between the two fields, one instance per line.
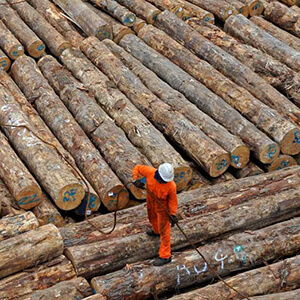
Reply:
x=221 y=9
x=142 y=9
x=111 y=141
x=207 y=101
x=228 y=65
x=17 y=286
x=5 y=62
x=296 y=7
x=86 y=19
x=69 y=133
x=281 y=276
x=30 y=248
x=242 y=28
x=255 y=7
x=139 y=24
x=279 y=296
x=281 y=162
x=250 y=170
x=240 y=7
x=12 y=47
x=41 y=159
x=138 y=129
x=179 y=103
x=55 y=42
x=17 y=178
x=93 y=259
x=33 y=45
x=273 y=71
x=116 y=10
x=100 y=297
x=211 y=157
x=192 y=203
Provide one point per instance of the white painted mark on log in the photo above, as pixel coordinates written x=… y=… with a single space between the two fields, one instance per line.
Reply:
x=221 y=258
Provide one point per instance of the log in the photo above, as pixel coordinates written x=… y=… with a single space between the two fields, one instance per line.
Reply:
x=142 y=9
x=100 y=297
x=227 y=64
x=76 y=288
x=55 y=42
x=268 y=120
x=33 y=45
x=40 y=277
x=178 y=102
x=192 y=203
x=41 y=159
x=286 y=2
x=208 y=155
x=86 y=19
x=264 y=280
x=223 y=178
x=139 y=130
x=242 y=8
x=284 y=17
x=55 y=17
x=17 y=178
x=255 y=7
x=12 y=47
x=250 y=170
x=273 y=71
x=198 y=180
x=221 y=9
x=139 y=24
x=242 y=28
x=117 y=150
x=281 y=162
x=296 y=7
x=69 y=133
x=30 y=248
x=279 y=296
x=4 y=61
x=119 y=12
x=94 y=259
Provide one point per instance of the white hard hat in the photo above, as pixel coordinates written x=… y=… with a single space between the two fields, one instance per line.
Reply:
x=166 y=172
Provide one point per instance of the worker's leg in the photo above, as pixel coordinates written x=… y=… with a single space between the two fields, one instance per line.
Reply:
x=164 y=229
x=152 y=215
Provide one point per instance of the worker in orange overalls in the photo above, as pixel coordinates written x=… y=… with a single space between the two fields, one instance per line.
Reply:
x=159 y=183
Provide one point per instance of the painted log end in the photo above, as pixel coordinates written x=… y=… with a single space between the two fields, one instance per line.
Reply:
x=29 y=197
x=129 y=19
x=182 y=177
x=290 y=144
x=244 y=10
x=219 y=165
x=138 y=25
x=104 y=32
x=139 y=194
x=16 y=51
x=282 y=162
x=269 y=153
x=62 y=47
x=256 y=8
x=94 y=204
x=121 y=34
x=5 y=63
x=209 y=18
x=230 y=11
x=118 y=194
x=70 y=196
x=36 y=49
x=151 y=18
x=240 y=157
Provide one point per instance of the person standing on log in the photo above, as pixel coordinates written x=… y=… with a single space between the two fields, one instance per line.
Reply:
x=162 y=204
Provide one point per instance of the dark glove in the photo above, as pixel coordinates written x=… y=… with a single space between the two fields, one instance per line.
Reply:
x=139 y=184
x=173 y=220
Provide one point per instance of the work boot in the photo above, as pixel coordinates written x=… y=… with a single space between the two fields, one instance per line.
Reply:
x=150 y=232
x=158 y=262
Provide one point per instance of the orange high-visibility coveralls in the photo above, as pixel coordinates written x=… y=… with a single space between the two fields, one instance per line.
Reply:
x=159 y=219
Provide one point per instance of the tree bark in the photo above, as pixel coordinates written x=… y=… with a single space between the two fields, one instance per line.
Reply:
x=111 y=141
x=208 y=102
x=138 y=129
x=273 y=71
x=40 y=158
x=265 y=280
x=279 y=296
x=255 y=7
x=55 y=42
x=12 y=47
x=250 y=170
x=33 y=45
x=208 y=155
x=241 y=8
x=178 y=102
x=227 y=65
x=87 y=20
x=296 y=7
x=17 y=286
x=223 y=178
x=139 y=24
x=93 y=259
x=281 y=162
x=69 y=133
x=100 y=297
x=242 y=28
x=142 y=9
x=17 y=178
x=30 y=248
x=5 y=62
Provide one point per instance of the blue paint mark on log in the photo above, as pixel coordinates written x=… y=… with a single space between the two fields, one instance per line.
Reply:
x=28 y=199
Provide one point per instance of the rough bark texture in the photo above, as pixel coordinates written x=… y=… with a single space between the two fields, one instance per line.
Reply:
x=247 y=31
x=280 y=296
x=255 y=7
x=86 y=19
x=33 y=45
x=100 y=297
x=139 y=24
x=69 y=133
x=250 y=170
x=142 y=9
x=5 y=62
x=41 y=159
x=55 y=42
x=266 y=280
x=281 y=162
x=211 y=157
x=30 y=248
x=178 y=102
x=227 y=64
x=117 y=150
x=12 y=47
x=238 y=252
x=94 y=259
x=17 y=178
x=17 y=286
x=138 y=129
x=263 y=148
x=273 y=71
x=240 y=7
x=223 y=178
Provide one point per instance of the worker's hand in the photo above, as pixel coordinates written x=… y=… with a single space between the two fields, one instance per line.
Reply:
x=139 y=184
x=173 y=220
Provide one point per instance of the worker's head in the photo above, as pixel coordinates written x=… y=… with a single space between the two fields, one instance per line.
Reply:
x=166 y=172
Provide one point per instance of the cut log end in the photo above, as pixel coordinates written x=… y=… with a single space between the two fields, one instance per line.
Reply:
x=230 y=12
x=219 y=165
x=182 y=176
x=269 y=153
x=139 y=24
x=103 y=33
x=16 y=52
x=291 y=142
x=116 y=194
x=70 y=196
x=244 y=10
x=29 y=197
x=153 y=16
x=139 y=194
x=94 y=204
x=5 y=63
x=209 y=18
x=129 y=19
x=240 y=157
x=62 y=47
x=256 y=8
x=283 y=161
x=121 y=34
x=36 y=49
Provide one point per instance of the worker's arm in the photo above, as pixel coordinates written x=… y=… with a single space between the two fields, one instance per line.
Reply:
x=173 y=201
x=142 y=170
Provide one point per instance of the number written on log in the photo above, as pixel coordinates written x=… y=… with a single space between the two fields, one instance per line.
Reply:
x=28 y=199
x=221 y=165
x=297 y=137
x=178 y=177
x=235 y=160
x=272 y=151
x=69 y=195
x=283 y=165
